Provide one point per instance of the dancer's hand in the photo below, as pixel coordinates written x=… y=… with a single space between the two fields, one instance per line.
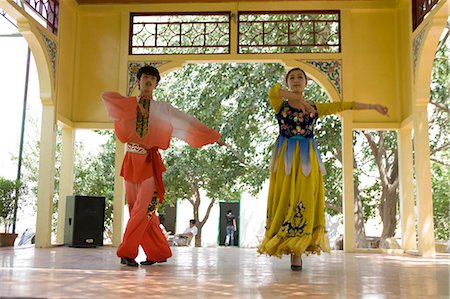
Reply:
x=297 y=101
x=308 y=108
x=383 y=110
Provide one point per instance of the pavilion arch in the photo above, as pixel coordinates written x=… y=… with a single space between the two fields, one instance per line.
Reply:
x=313 y=73
x=43 y=46
x=425 y=40
x=35 y=40
x=427 y=36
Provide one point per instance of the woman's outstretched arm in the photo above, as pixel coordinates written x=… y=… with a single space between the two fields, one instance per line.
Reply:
x=383 y=110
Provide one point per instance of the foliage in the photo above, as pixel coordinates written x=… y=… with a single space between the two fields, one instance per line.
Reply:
x=439 y=128
x=441 y=201
x=327 y=134
x=30 y=165
x=7 y=194
x=231 y=98
x=237 y=106
x=94 y=175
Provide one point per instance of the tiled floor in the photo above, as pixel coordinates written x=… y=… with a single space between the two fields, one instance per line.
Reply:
x=64 y=272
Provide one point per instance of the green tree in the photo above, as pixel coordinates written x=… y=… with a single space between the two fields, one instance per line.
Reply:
x=94 y=175
x=231 y=98
x=237 y=106
x=7 y=191
x=439 y=128
x=381 y=154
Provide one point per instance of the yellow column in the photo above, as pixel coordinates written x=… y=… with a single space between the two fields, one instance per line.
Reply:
x=46 y=177
x=118 y=195
x=65 y=179
x=348 y=198
x=406 y=189
x=423 y=179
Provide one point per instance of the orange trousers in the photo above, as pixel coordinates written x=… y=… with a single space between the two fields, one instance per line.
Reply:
x=140 y=229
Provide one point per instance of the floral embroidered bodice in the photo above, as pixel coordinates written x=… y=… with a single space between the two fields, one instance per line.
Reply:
x=293 y=122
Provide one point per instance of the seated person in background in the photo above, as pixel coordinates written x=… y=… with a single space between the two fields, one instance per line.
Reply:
x=163 y=228
x=185 y=238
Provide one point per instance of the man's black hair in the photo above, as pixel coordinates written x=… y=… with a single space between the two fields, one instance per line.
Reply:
x=192 y=221
x=149 y=70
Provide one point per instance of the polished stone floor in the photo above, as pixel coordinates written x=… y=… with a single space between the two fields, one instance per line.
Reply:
x=64 y=272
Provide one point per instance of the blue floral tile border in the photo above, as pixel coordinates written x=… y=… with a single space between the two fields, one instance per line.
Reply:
x=52 y=51
x=332 y=69
x=417 y=43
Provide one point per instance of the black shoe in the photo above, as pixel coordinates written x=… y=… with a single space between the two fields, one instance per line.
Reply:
x=128 y=262
x=296 y=267
x=149 y=263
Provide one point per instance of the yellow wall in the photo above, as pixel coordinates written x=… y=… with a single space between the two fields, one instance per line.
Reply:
x=98 y=64
x=373 y=62
x=98 y=59
x=66 y=58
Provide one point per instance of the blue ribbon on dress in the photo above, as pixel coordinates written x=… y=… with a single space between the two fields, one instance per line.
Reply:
x=304 y=147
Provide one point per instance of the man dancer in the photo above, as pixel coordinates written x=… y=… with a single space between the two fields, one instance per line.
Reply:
x=146 y=126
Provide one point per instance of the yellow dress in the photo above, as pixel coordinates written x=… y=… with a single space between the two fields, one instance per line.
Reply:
x=295 y=220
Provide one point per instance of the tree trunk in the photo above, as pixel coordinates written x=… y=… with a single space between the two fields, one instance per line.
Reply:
x=360 y=230
x=195 y=202
x=198 y=238
x=389 y=182
x=196 y=205
x=388 y=212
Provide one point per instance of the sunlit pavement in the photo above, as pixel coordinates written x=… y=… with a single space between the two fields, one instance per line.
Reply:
x=64 y=272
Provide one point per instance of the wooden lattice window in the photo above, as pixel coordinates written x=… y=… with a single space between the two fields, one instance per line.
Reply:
x=420 y=8
x=289 y=32
x=189 y=33
x=45 y=12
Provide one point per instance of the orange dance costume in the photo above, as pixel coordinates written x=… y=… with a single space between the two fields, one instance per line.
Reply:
x=146 y=126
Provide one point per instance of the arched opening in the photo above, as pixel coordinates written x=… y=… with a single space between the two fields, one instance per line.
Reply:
x=236 y=90
x=440 y=139
x=20 y=120
x=430 y=33
x=37 y=43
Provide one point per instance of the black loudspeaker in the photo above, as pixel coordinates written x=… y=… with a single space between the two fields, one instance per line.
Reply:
x=85 y=218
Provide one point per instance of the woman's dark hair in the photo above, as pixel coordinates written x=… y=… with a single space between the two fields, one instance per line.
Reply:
x=296 y=69
x=148 y=70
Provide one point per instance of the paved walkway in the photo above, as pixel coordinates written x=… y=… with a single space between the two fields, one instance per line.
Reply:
x=64 y=272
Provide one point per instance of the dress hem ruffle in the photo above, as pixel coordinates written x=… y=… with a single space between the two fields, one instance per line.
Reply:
x=314 y=243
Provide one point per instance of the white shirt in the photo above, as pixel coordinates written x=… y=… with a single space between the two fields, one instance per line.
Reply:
x=193 y=230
